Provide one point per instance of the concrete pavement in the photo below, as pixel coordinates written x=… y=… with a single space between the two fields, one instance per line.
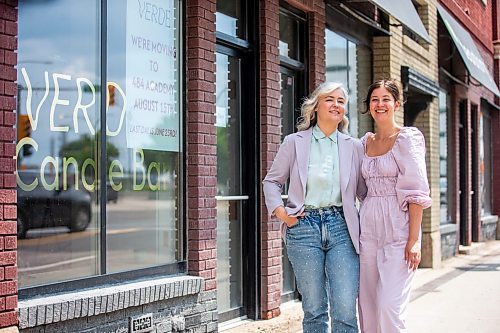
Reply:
x=463 y=295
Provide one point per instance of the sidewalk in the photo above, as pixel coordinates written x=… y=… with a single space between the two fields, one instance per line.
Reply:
x=463 y=295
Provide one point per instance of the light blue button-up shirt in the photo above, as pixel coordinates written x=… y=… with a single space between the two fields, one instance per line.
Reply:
x=323 y=177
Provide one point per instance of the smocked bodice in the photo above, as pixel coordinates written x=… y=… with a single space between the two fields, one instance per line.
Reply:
x=380 y=174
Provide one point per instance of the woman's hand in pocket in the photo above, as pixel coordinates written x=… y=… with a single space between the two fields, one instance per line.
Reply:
x=290 y=221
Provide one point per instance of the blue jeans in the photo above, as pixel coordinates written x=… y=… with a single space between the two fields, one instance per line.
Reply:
x=326 y=267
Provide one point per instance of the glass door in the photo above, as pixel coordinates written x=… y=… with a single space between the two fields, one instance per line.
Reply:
x=232 y=197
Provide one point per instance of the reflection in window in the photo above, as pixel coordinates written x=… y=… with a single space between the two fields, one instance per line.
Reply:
x=229 y=183
x=229 y=18
x=58 y=126
x=485 y=162
x=342 y=66
x=59 y=131
x=143 y=225
x=289 y=37
x=443 y=157
x=287 y=103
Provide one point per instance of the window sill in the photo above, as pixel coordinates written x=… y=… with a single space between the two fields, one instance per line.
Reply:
x=448 y=228
x=91 y=302
x=489 y=219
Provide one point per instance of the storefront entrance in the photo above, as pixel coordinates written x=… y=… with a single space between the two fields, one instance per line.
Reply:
x=236 y=213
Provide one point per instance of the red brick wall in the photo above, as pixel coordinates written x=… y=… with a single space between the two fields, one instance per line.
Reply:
x=8 y=197
x=270 y=138
x=316 y=56
x=201 y=141
x=316 y=15
x=482 y=23
x=475 y=16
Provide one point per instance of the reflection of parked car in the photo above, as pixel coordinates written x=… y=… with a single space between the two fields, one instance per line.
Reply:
x=42 y=208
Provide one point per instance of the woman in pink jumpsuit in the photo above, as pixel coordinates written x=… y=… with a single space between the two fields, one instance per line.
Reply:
x=391 y=215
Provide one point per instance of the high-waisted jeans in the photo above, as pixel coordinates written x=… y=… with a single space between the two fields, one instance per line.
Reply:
x=326 y=267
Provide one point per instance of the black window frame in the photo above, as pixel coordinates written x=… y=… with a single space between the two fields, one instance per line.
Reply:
x=248 y=51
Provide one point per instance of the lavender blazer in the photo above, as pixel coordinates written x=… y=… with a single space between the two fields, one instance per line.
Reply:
x=292 y=162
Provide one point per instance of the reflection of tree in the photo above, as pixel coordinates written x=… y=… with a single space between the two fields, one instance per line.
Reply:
x=85 y=147
x=168 y=160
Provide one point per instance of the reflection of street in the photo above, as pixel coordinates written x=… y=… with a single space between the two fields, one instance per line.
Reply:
x=137 y=236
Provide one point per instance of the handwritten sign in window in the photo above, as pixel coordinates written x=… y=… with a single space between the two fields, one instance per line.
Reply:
x=152 y=86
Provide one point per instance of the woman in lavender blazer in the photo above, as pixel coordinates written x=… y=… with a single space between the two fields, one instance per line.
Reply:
x=320 y=218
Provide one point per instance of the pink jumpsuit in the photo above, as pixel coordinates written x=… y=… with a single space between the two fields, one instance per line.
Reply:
x=394 y=180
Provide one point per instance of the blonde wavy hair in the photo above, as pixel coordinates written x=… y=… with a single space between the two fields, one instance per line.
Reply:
x=310 y=106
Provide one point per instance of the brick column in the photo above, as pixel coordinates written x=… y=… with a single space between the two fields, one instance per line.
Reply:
x=271 y=138
x=201 y=142
x=8 y=196
x=428 y=123
x=317 y=55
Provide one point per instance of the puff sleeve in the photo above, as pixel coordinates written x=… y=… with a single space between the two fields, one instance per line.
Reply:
x=411 y=185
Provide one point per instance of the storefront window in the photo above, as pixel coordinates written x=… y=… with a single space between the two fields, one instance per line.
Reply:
x=61 y=177
x=485 y=162
x=443 y=157
x=341 y=66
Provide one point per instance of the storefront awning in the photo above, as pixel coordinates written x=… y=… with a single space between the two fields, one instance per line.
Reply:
x=405 y=12
x=468 y=51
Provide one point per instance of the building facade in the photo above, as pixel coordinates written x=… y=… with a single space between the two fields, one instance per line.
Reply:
x=179 y=107
x=468 y=108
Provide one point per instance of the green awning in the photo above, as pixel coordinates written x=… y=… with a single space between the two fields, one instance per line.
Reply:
x=468 y=51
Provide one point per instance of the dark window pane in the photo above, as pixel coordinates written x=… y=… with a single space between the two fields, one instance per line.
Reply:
x=290 y=38
x=230 y=18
